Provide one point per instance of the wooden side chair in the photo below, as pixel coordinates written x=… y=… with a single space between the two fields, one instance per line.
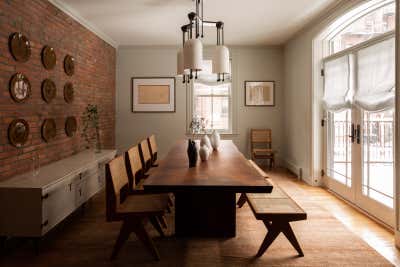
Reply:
x=261 y=145
x=136 y=176
x=145 y=155
x=153 y=149
x=132 y=210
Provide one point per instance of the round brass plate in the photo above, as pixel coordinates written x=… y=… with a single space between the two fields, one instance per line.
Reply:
x=49 y=58
x=20 y=47
x=49 y=90
x=20 y=87
x=18 y=132
x=49 y=129
x=68 y=92
x=70 y=126
x=69 y=65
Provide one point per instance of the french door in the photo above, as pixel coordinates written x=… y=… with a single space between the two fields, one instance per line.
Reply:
x=360 y=159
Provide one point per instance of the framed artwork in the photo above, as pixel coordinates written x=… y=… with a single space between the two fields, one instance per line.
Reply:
x=153 y=94
x=259 y=93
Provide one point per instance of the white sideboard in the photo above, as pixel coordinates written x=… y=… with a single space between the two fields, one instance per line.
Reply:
x=32 y=205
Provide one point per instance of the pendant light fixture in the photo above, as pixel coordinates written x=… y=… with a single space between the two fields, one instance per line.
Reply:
x=190 y=58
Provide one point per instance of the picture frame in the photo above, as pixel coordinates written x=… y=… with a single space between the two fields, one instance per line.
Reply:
x=153 y=95
x=259 y=93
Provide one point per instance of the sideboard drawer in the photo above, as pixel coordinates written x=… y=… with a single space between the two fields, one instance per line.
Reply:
x=57 y=203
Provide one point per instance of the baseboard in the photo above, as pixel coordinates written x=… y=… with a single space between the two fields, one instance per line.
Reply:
x=293 y=168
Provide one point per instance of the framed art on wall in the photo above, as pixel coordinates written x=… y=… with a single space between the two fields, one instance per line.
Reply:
x=150 y=94
x=259 y=93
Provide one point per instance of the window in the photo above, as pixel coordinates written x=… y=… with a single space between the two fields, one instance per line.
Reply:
x=374 y=23
x=213 y=100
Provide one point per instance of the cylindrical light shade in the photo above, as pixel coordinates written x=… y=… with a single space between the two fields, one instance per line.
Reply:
x=193 y=54
x=221 y=60
x=180 y=69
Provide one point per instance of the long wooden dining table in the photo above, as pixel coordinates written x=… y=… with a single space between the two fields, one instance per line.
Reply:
x=205 y=195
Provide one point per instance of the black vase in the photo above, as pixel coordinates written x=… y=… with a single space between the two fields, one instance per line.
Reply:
x=192 y=153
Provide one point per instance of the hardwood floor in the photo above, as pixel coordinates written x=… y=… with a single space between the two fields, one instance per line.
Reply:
x=86 y=239
x=374 y=234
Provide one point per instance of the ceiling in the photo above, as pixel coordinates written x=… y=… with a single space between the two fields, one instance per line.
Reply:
x=157 y=22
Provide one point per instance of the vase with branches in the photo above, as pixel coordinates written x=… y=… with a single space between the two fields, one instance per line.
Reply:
x=91 y=131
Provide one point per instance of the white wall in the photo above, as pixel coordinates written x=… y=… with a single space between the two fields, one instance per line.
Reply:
x=298 y=69
x=248 y=63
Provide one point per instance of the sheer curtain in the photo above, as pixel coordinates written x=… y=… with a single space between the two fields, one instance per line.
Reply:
x=376 y=76
x=336 y=84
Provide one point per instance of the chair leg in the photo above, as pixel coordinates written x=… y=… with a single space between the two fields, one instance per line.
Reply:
x=162 y=221
x=156 y=224
x=242 y=200
x=142 y=234
x=288 y=232
x=273 y=232
x=122 y=237
x=170 y=202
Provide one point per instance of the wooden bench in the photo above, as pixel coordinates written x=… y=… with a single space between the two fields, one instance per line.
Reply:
x=276 y=210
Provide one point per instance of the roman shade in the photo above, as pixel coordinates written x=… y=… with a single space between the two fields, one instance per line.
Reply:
x=336 y=83
x=376 y=76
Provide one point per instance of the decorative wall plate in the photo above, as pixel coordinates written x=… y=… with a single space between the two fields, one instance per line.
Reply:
x=20 y=47
x=49 y=58
x=49 y=90
x=49 y=129
x=68 y=92
x=20 y=87
x=69 y=65
x=70 y=126
x=18 y=132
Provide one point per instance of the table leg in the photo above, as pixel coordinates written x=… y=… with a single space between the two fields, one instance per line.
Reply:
x=205 y=214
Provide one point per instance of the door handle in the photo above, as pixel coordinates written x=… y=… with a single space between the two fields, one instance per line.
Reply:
x=352 y=133
x=358 y=133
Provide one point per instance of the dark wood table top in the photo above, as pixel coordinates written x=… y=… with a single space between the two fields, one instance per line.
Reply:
x=226 y=170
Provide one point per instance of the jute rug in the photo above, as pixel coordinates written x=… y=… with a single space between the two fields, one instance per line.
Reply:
x=87 y=240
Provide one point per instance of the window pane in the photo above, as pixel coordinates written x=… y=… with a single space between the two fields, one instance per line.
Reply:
x=220 y=119
x=203 y=109
x=378 y=160
x=369 y=26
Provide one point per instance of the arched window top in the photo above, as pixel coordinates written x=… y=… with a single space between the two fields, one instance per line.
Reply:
x=367 y=21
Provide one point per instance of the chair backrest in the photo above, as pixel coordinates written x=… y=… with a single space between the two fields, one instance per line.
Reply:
x=153 y=147
x=145 y=155
x=133 y=166
x=261 y=136
x=116 y=181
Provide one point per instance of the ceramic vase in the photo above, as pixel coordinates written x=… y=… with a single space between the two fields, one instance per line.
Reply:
x=192 y=153
x=215 y=140
x=204 y=153
x=205 y=141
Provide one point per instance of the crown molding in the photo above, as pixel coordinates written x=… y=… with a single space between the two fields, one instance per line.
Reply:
x=77 y=17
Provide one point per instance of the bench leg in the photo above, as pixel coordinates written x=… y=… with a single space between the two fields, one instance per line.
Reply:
x=242 y=200
x=288 y=232
x=162 y=221
x=274 y=229
x=156 y=224
x=273 y=232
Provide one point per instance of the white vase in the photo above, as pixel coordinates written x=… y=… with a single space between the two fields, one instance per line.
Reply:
x=205 y=141
x=215 y=140
x=204 y=153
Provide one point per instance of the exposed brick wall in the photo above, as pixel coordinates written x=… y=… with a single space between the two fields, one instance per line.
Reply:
x=94 y=82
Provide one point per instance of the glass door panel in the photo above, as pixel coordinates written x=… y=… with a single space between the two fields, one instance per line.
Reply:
x=339 y=147
x=378 y=159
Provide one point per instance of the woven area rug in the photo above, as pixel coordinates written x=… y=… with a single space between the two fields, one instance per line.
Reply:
x=87 y=240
